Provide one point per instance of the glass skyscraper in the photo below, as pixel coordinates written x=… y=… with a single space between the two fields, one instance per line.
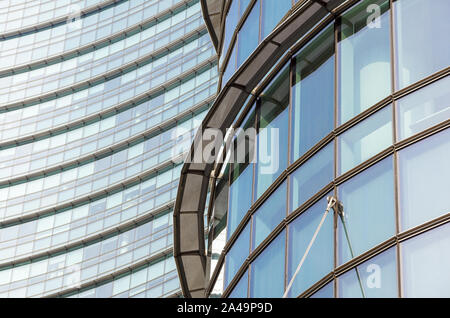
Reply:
x=348 y=194
x=95 y=95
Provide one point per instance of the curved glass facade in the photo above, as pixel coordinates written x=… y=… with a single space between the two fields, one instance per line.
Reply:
x=358 y=110
x=96 y=112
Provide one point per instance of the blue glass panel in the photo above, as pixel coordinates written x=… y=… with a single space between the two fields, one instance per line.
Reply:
x=364 y=58
x=312 y=176
x=424 y=108
x=237 y=254
x=240 y=199
x=425 y=264
x=269 y=215
x=369 y=216
x=272 y=13
x=325 y=292
x=365 y=140
x=273 y=132
x=375 y=278
x=421 y=29
x=313 y=93
x=243 y=4
x=267 y=271
x=230 y=25
x=248 y=35
x=320 y=259
x=241 y=288
x=424 y=172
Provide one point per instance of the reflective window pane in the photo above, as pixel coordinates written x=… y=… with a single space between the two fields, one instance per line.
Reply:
x=313 y=94
x=237 y=254
x=269 y=215
x=422 y=27
x=424 y=108
x=311 y=176
x=273 y=132
x=375 y=278
x=241 y=288
x=267 y=271
x=364 y=57
x=365 y=140
x=369 y=216
x=320 y=259
x=425 y=264
x=240 y=197
x=424 y=173
x=272 y=13
x=248 y=35
x=325 y=292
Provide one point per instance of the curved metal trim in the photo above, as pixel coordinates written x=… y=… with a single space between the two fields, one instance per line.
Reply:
x=189 y=244
x=213 y=28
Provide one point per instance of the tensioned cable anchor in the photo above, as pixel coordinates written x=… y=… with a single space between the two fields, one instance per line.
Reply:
x=331 y=202
x=339 y=210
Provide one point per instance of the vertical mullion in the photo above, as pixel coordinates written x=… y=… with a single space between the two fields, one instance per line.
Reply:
x=336 y=97
x=395 y=132
x=288 y=192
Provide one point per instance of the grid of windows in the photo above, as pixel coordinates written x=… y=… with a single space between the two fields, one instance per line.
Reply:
x=95 y=116
x=87 y=30
x=357 y=133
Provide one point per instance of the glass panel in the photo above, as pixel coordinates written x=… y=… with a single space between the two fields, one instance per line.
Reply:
x=312 y=176
x=273 y=132
x=248 y=35
x=325 y=292
x=272 y=13
x=269 y=215
x=364 y=58
x=421 y=29
x=424 y=173
x=313 y=93
x=240 y=197
x=237 y=254
x=369 y=216
x=424 y=108
x=425 y=264
x=365 y=140
x=230 y=25
x=319 y=262
x=241 y=288
x=267 y=271
x=375 y=278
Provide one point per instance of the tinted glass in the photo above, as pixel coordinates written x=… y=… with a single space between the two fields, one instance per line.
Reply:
x=369 y=216
x=312 y=176
x=320 y=259
x=313 y=94
x=375 y=278
x=269 y=215
x=365 y=140
x=273 y=132
x=422 y=27
x=424 y=172
x=364 y=57
x=267 y=271
x=425 y=264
